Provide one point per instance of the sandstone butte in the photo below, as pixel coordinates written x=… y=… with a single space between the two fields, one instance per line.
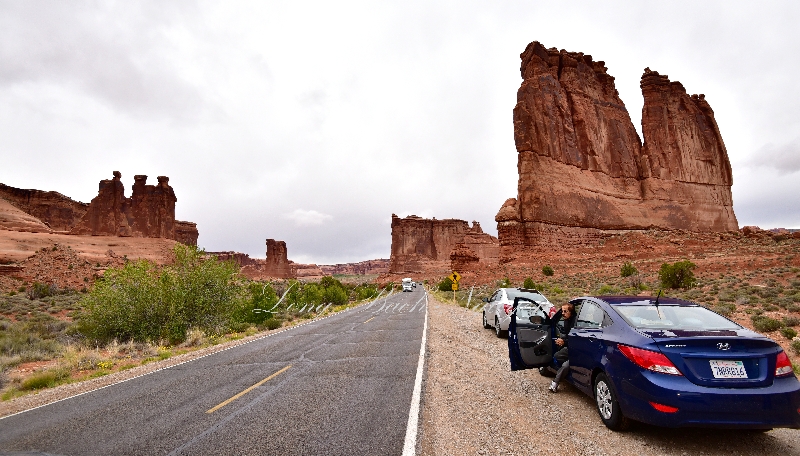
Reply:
x=584 y=173
x=428 y=245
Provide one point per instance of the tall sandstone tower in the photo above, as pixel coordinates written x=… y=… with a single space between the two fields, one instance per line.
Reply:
x=583 y=171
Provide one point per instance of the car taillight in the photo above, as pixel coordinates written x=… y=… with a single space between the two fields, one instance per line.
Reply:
x=649 y=360
x=663 y=408
x=783 y=367
x=507 y=308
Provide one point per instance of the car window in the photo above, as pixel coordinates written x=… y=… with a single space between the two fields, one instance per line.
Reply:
x=495 y=296
x=528 y=311
x=536 y=297
x=674 y=317
x=590 y=316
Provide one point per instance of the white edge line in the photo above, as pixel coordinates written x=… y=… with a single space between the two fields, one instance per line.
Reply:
x=190 y=360
x=410 y=445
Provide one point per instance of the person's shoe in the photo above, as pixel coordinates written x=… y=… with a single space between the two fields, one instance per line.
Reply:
x=553 y=387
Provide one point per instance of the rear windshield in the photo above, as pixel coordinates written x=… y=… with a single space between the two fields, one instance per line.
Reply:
x=535 y=297
x=674 y=317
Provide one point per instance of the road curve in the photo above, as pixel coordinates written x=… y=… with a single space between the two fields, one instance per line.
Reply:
x=338 y=385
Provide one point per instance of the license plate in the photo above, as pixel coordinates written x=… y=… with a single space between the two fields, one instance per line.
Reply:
x=727 y=369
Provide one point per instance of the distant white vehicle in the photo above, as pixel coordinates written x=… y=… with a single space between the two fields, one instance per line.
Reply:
x=408 y=284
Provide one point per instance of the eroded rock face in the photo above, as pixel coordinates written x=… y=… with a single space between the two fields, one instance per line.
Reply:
x=582 y=165
x=55 y=210
x=379 y=266
x=149 y=212
x=420 y=244
x=277 y=263
x=14 y=219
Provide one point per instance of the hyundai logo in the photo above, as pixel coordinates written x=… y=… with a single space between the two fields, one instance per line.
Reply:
x=724 y=346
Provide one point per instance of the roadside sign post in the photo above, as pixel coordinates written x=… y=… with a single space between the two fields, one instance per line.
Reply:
x=454 y=277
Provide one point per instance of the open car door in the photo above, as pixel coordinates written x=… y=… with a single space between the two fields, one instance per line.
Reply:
x=530 y=341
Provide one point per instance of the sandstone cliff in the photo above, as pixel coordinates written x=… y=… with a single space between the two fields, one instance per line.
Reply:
x=583 y=169
x=55 y=210
x=420 y=244
x=379 y=266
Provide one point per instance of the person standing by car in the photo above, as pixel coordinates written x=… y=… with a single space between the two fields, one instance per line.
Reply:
x=562 y=355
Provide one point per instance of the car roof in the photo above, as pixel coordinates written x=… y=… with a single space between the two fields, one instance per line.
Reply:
x=642 y=300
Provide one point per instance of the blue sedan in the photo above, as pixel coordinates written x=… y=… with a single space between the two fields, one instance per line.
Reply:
x=666 y=362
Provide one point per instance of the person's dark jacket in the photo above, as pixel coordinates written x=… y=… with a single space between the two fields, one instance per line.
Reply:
x=563 y=331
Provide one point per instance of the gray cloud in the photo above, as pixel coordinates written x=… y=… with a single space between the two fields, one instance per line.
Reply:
x=119 y=54
x=785 y=158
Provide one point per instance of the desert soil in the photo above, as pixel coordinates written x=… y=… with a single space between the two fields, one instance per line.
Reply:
x=473 y=404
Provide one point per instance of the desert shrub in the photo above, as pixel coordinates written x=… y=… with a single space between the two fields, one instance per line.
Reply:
x=607 y=289
x=45 y=379
x=258 y=308
x=142 y=303
x=677 y=275
x=445 y=284
x=42 y=290
x=628 y=269
x=763 y=323
x=365 y=291
x=796 y=346
x=725 y=309
x=272 y=323
x=791 y=320
x=529 y=283
x=769 y=307
x=547 y=270
x=788 y=333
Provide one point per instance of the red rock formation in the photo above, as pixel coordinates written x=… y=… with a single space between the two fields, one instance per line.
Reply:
x=186 y=232
x=14 y=219
x=277 y=263
x=425 y=244
x=57 y=211
x=583 y=170
x=368 y=267
x=462 y=258
x=149 y=212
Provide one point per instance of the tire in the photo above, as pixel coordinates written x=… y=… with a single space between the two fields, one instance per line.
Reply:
x=608 y=405
x=486 y=324
x=497 y=331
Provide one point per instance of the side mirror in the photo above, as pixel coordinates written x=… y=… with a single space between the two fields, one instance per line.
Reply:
x=485 y=299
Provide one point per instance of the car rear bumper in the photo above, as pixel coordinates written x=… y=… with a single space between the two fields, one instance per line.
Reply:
x=774 y=406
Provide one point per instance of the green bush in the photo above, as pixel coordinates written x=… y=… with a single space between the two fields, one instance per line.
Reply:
x=529 y=284
x=628 y=269
x=796 y=346
x=791 y=320
x=607 y=289
x=725 y=309
x=763 y=323
x=142 y=303
x=547 y=270
x=445 y=285
x=788 y=333
x=677 y=275
x=45 y=379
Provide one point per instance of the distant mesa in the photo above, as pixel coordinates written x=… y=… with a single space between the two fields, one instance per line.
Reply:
x=148 y=213
x=422 y=245
x=583 y=170
x=278 y=266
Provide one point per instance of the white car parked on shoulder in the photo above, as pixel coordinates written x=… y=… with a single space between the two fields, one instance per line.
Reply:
x=497 y=311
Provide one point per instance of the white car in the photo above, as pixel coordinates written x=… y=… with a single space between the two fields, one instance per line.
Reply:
x=497 y=311
x=408 y=284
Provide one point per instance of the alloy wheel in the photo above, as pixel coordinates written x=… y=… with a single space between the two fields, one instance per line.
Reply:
x=605 y=403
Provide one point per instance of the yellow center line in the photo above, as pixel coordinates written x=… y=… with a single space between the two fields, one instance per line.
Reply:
x=369 y=320
x=223 y=404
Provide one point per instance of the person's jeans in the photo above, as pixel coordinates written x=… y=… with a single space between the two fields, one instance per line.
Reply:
x=562 y=356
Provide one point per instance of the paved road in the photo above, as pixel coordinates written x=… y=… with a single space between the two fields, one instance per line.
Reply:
x=340 y=385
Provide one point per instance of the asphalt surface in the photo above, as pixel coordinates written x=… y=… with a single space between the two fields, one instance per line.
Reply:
x=341 y=385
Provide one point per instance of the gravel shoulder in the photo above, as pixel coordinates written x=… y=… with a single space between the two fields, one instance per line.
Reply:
x=473 y=404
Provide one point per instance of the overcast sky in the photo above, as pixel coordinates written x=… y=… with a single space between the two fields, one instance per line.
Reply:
x=313 y=122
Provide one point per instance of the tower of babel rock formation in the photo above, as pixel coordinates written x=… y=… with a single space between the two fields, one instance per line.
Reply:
x=583 y=170
x=420 y=244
